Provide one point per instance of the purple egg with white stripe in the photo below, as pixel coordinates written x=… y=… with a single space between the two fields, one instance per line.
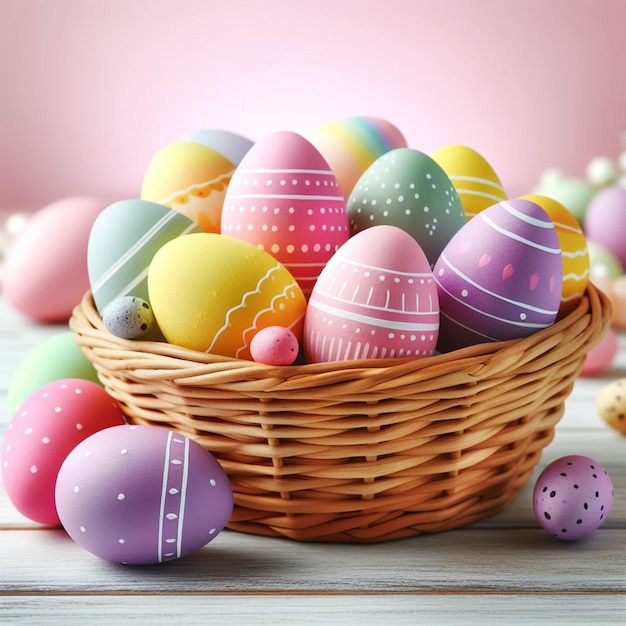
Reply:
x=499 y=277
x=142 y=495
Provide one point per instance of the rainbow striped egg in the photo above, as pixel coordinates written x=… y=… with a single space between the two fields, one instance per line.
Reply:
x=500 y=276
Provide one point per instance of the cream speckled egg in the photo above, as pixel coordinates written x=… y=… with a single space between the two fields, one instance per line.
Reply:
x=213 y=293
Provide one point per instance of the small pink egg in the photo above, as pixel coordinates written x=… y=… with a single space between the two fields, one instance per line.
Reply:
x=572 y=497
x=274 y=345
x=601 y=356
x=44 y=430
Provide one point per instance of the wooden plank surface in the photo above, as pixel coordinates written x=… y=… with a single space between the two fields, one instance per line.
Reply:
x=502 y=569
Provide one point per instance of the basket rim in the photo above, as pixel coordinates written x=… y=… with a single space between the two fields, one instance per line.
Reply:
x=590 y=319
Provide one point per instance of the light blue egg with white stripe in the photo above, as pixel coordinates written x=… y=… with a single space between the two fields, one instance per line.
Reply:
x=122 y=242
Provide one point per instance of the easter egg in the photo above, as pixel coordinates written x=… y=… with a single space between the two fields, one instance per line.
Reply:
x=142 y=495
x=284 y=199
x=572 y=497
x=352 y=144
x=274 y=345
x=573 y=193
x=129 y=317
x=376 y=298
x=605 y=220
x=230 y=145
x=600 y=357
x=474 y=179
x=123 y=241
x=45 y=269
x=213 y=293
x=574 y=252
x=407 y=189
x=499 y=277
x=43 y=431
x=191 y=178
x=56 y=357
x=611 y=405
x=602 y=262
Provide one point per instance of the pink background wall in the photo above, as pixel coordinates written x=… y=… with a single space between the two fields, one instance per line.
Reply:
x=91 y=89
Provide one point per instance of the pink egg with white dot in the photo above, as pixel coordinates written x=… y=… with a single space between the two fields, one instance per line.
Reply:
x=284 y=198
x=500 y=276
x=274 y=345
x=376 y=298
x=142 y=495
x=43 y=431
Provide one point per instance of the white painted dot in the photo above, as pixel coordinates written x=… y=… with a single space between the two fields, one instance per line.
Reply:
x=400 y=198
x=79 y=426
x=87 y=454
x=83 y=529
x=372 y=217
x=212 y=531
x=441 y=272
x=522 y=316
x=78 y=391
x=76 y=489
x=317 y=247
x=388 y=201
x=464 y=293
x=275 y=248
x=45 y=440
x=28 y=431
x=283 y=181
x=58 y=409
x=121 y=496
x=33 y=469
x=294 y=181
x=268 y=181
x=122 y=541
x=123 y=451
x=426 y=209
x=290 y=248
x=407 y=212
x=391 y=335
x=45 y=394
x=173 y=491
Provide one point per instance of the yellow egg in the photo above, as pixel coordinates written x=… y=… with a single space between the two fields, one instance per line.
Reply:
x=213 y=293
x=574 y=251
x=473 y=178
x=191 y=178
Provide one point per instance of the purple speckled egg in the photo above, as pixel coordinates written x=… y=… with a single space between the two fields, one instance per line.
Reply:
x=142 y=495
x=376 y=298
x=573 y=496
x=500 y=276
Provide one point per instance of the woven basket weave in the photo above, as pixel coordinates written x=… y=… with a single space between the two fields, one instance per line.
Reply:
x=358 y=451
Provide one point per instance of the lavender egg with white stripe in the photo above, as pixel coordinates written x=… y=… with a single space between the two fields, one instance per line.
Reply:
x=142 y=495
x=499 y=277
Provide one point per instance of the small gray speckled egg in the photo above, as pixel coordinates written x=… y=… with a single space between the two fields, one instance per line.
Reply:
x=129 y=317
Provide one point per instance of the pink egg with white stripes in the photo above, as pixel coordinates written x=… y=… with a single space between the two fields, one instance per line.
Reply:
x=142 y=495
x=500 y=276
x=284 y=198
x=376 y=298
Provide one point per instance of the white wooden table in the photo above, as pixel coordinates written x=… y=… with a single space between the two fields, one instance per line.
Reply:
x=505 y=569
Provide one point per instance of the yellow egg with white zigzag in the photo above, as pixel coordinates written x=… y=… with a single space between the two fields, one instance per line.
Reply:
x=574 y=251
x=474 y=179
x=213 y=293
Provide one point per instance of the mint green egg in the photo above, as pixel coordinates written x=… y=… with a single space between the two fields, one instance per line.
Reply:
x=574 y=194
x=602 y=262
x=54 y=358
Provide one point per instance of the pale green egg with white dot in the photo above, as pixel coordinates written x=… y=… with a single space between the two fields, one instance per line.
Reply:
x=406 y=188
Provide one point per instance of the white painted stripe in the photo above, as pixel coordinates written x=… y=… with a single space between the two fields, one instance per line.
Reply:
x=533 y=221
x=572 y=296
x=471 y=192
x=472 y=330
x=288 y=196
x=257 y=289
x=163 y=496
x=578 y=253
x=571 y=229
x=516 y=237
x=576 y=277
x=266 y=170
x=384 y=270
x=466 y=278
x=183 y=497
x=477 y=179
x=381 y=308
x=374 y=321
x=191 y=188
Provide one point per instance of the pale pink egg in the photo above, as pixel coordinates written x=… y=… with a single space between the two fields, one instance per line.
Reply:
x=600 y=358
x=285 y=199
x=44 y=430
x=274 y=345
x=376 y=298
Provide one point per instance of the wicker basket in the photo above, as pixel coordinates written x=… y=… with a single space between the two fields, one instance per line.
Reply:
x=358 y=451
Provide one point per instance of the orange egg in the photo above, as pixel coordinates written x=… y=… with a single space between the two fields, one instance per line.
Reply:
x=574 y=251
